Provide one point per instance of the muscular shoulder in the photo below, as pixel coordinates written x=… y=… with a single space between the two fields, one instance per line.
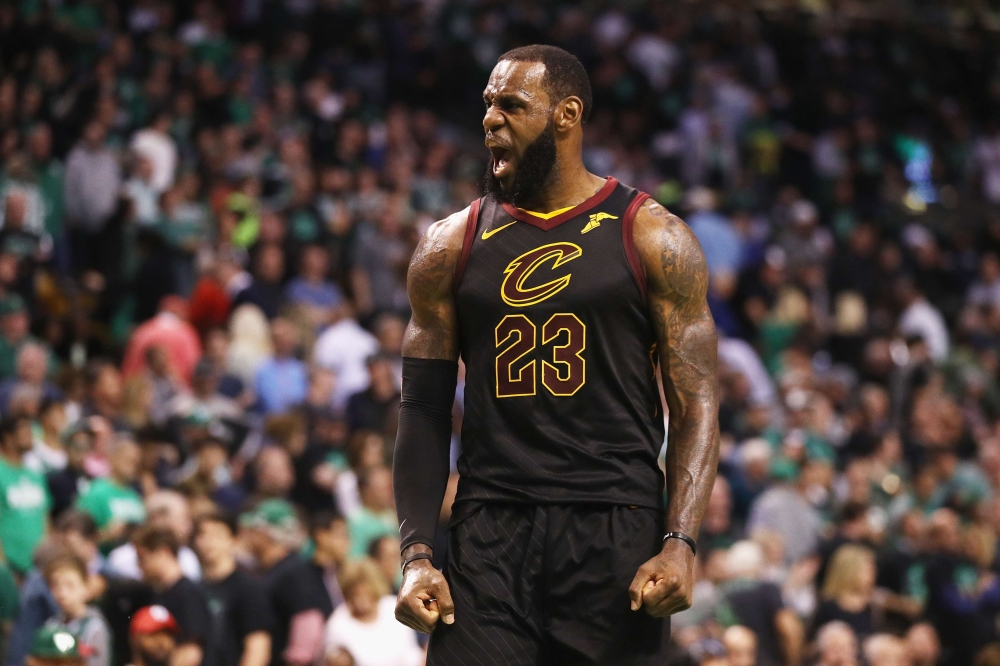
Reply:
x=670 y=254
x=437 y=254
x=431 y=332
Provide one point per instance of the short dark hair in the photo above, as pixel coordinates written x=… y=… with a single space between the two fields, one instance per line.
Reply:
x=65 y=561
x=376 y=545
x=564 y=73
x=10 y=423
x=323 y=520
x=217 y=516
x=81 y=522
x=48 y=403
x=152 y=538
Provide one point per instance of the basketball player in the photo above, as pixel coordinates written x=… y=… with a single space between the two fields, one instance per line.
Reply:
x=563 y=292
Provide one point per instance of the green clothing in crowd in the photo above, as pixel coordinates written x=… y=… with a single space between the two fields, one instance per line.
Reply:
x=24 y=508
x=365 y=526
x=9 y=352
x=109 y=502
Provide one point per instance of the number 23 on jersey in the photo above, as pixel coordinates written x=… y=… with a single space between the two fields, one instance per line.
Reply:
x=517 y=336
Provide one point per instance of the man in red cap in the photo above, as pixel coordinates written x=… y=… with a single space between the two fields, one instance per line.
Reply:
x=153 y=636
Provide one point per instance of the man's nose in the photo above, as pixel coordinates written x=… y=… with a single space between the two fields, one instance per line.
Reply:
x=493 y=119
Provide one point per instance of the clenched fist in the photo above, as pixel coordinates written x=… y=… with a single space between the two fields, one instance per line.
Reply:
x=663 y=584
x=424 y=598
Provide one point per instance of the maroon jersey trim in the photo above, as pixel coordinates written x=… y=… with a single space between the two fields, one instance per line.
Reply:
x=471 y=223
x=630 y=252
x=579 y=209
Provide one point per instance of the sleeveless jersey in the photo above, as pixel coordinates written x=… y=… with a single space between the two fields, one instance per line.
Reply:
x=561 y=398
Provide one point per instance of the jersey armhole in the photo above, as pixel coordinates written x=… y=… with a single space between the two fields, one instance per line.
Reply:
x=470 y=235
x=629 y=242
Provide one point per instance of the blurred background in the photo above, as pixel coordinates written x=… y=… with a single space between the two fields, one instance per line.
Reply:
x=206 y=214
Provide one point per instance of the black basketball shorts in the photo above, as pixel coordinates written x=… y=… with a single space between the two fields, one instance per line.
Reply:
x=547 y=585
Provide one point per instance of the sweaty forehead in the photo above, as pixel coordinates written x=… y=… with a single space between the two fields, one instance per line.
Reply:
x=520 y=78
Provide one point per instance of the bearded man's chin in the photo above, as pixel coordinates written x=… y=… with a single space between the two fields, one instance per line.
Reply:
x=493 y=187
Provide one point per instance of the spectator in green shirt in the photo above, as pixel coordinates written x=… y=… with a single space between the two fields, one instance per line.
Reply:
x=24 y=497
x=10 y=604
x=14 y=332
x=112 y=500
x=377 y=515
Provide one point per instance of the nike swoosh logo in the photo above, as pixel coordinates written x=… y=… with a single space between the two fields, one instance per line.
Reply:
x=489 y=232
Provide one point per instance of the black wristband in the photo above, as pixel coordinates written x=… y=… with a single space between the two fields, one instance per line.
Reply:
x=414 y=557
x=683 y=537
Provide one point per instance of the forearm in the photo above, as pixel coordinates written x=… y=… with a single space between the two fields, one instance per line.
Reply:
x=690 y=381
x=256 y=649
x=791 y=636
x=421 y=462
x=691 y=464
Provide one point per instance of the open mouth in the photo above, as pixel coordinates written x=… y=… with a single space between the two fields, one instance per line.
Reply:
x=501 y=159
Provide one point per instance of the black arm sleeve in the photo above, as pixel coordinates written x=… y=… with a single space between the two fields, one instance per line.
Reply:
x=420 y=464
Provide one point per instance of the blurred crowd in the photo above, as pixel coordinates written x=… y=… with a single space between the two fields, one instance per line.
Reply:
x=206 y=214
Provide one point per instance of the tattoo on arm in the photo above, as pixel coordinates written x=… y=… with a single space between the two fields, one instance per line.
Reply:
x=677 y=277
x=433 y=328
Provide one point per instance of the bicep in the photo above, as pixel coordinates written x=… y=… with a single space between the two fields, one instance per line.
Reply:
x=433 y=329
x=677 y=277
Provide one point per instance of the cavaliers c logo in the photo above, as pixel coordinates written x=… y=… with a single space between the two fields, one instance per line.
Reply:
x=518 y=271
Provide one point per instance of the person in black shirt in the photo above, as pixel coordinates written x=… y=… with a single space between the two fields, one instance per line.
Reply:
x=273 y=536
x=66 y=484
x=757 y=605
x=290 y=432
x=376 y=407
x=328 y=530
x=241 y=616
x=848 y=591
x=157 y=549
x=265 y=289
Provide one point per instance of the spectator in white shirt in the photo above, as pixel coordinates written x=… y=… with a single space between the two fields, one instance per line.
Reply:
x=344 y=347
x=363 y=631
x=155 y=144
x=921 y=319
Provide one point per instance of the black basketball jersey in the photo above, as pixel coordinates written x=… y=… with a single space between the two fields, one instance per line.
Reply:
x=561 y=399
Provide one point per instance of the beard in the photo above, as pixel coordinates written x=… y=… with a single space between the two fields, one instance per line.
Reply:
x=533 y=170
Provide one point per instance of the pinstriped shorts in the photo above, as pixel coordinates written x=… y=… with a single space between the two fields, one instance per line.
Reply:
x=547 y=585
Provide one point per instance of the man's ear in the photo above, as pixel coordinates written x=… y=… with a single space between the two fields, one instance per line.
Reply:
x=568 y=113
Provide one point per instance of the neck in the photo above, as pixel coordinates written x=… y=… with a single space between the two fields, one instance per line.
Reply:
x=853 y=601
x=219 y=569
x=367 y=618
x=273 y=554
x=12 y=456
x=325 y=560
x=170 y=577
x=52 y=440
x=568 y=185
x=76 y=612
